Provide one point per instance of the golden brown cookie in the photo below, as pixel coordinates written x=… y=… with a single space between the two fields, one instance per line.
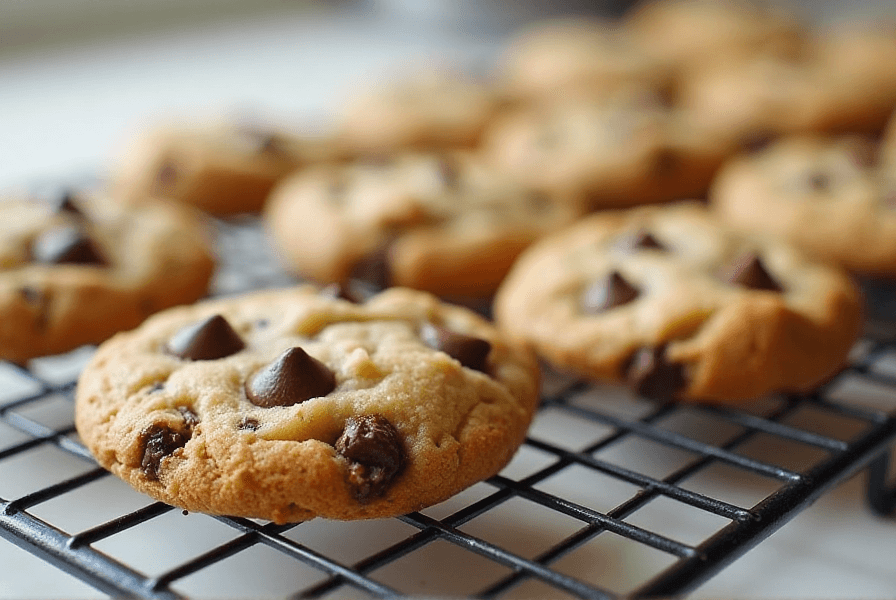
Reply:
x=291 y=404
x=625 y=150
x=78 y=269
x=680 y=307
x=828 y=195
x=442 y=223
x=221 y=168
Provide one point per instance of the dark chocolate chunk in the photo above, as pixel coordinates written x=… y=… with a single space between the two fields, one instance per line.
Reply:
x=471 y=352
x=649 y=374
x=640 y=240
x=209 y=339
x=375 y=453
x=159 y=441
x=293 y=378
x=748 y=271
x=67 y=244
x=606 y=293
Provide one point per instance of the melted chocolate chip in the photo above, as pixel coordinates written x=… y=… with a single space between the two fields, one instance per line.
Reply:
x=471 y=352
x=67 y=244
x=159 y=441
x=209 y=339
x=748 y=271
x=649 y=374
x=608 y=292
x=640 y=240
x=293 y=378
x=249 y=424
x=375 y=453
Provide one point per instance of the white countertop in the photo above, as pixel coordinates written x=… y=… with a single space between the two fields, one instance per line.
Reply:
x=64 y=107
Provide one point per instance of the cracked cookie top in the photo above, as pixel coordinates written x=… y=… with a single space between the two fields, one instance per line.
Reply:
x=295 y=403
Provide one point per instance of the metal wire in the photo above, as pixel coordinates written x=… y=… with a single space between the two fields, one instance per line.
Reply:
x=249 y=264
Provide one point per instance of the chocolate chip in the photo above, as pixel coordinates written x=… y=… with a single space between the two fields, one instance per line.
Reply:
x=166 y=177
x=209 y=339
x=258 y=140
x=471 y=352
x=665 y=162
x=748 y=271
x=374 y=450
x=156 y=387
x=159 y=441
x=374 y=268
x=65 y=204
x=291 y=379
x=67 y=244
x=640 y=240
x=756 y=142
x=818 y=182
x=249 y=424
x=649 y=374
x=608 y=292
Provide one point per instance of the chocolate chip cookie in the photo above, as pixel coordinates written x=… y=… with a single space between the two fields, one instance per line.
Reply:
x=419 y=109
x=439 y=222
x=79 y=268
x=573 y=57
x=624 y=150
x=679 y=307
x=829 y=195
x=222 y=168
x=295 y=403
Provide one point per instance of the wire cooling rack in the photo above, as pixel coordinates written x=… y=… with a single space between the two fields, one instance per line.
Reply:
x=610 y=496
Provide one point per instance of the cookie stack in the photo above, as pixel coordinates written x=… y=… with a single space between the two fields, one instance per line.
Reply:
x=676 y=213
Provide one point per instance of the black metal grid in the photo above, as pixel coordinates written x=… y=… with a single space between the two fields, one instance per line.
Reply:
x=680 y=454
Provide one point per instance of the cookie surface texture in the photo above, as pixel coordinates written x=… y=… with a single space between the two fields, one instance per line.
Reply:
x=291 y=404
x=78 y=269
x=679 y=307
x=829 y=195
